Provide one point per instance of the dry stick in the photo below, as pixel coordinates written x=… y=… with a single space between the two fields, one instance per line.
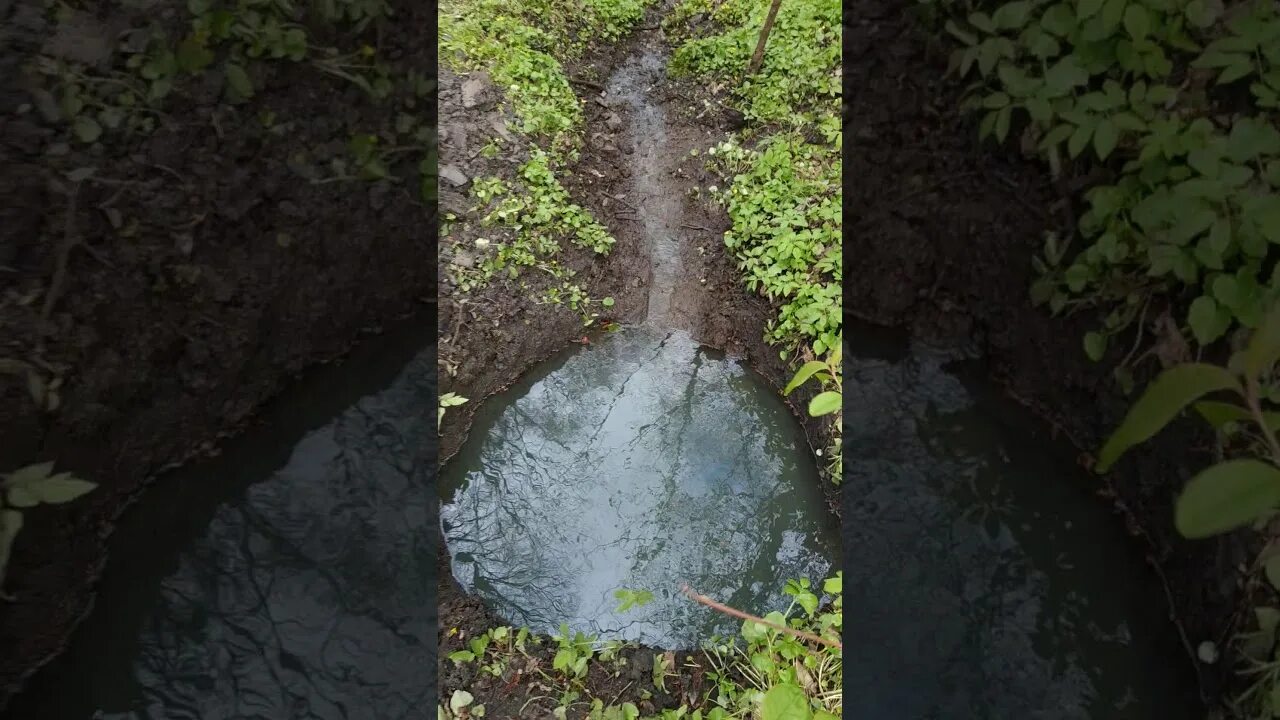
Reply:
x=60 y=265
x=586 y=83
x=703 y=599
x=758 y=56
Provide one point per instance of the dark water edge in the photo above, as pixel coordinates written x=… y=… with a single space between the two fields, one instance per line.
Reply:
x=642 y=462
x=984 y=578
x=145 y=652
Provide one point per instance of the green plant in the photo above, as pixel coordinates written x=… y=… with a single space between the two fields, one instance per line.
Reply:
x=631 y=598
x=780 y=674
x=573 y=653
x=447 y=400
x=1241 y=490
x=1193 y=205
x=26 y=488
x=783 y=197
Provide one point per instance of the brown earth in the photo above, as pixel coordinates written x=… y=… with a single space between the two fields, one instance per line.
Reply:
x=201 y=274
x=940 y=232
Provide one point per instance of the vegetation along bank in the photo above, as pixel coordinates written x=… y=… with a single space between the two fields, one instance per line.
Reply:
x=541 y=246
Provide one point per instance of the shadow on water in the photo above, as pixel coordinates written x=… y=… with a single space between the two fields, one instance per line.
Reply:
x=642 y=462
x=984 y=577
x=292 y=576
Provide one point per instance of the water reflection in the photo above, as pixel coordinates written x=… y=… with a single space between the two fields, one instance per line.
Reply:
x=984 y=577
x=642 y=462
x=309 y=594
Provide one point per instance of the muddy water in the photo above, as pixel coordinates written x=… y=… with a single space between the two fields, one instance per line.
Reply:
x=984 y=578
x=292 y=577
x=642 y=462
x=659 y=208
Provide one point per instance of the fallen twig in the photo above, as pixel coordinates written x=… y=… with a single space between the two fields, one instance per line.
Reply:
x=586 y=83
x=720 y=607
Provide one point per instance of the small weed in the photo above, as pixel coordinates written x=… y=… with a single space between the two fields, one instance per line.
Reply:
x=26 y=488
x=447 y=400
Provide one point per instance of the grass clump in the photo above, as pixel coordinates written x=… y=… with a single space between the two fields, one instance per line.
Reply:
x=521 y=45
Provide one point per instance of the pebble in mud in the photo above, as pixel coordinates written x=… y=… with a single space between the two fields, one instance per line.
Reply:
x=455 y=176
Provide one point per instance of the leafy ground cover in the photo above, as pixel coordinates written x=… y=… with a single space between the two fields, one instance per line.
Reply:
x=521 y=46
x=782 y=175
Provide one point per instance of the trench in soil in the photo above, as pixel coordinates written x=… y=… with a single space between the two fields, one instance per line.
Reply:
x=293 y=575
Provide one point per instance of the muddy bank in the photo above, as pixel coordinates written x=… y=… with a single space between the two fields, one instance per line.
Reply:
x=201 y=274
x=940 y=232
x=620 y=178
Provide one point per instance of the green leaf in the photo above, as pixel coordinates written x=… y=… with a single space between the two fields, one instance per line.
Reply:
x=238 y=82
x=1137 y=22
x=1218 y=413
x=28 y=474
x=1264 y=346
x=1079 y=139
x=1003 y=117
x=785 y=702
x=21 y=496
x=193 y=56
x=607 y=302
x=1167 y=395
x=1058 y=20
x=10 y=526
x=1227 y=496
x=1208 y=320
x=1112 y=14
x=1087 y=8
x=1235 y=71
x=834 y=585
x=61 y=488
x=1095 y=344
x=1012 y=16
x=963 y=36
x=86 y=129
x=1272 y=570
x=462 y=656
x=1105 y=138
x=824 y=403
x=564 y=657
x=805 y=372
x=808 y=601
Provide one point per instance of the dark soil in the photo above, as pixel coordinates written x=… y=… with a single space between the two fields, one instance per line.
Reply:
x=202 y=273
x=940 y=233
x=503 y=336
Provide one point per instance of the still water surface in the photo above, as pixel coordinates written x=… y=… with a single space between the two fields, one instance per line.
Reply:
x=985 y=578
x=642 y=462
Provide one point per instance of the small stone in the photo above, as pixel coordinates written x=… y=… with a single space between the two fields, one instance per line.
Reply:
x=1208 y=652
x=613 y=122
x=454 y=175
x=477 y=91
x=464 y=259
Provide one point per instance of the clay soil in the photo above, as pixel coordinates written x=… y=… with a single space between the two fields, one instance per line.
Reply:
x=489 y=356
x=201 y=274
x=939 y=236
